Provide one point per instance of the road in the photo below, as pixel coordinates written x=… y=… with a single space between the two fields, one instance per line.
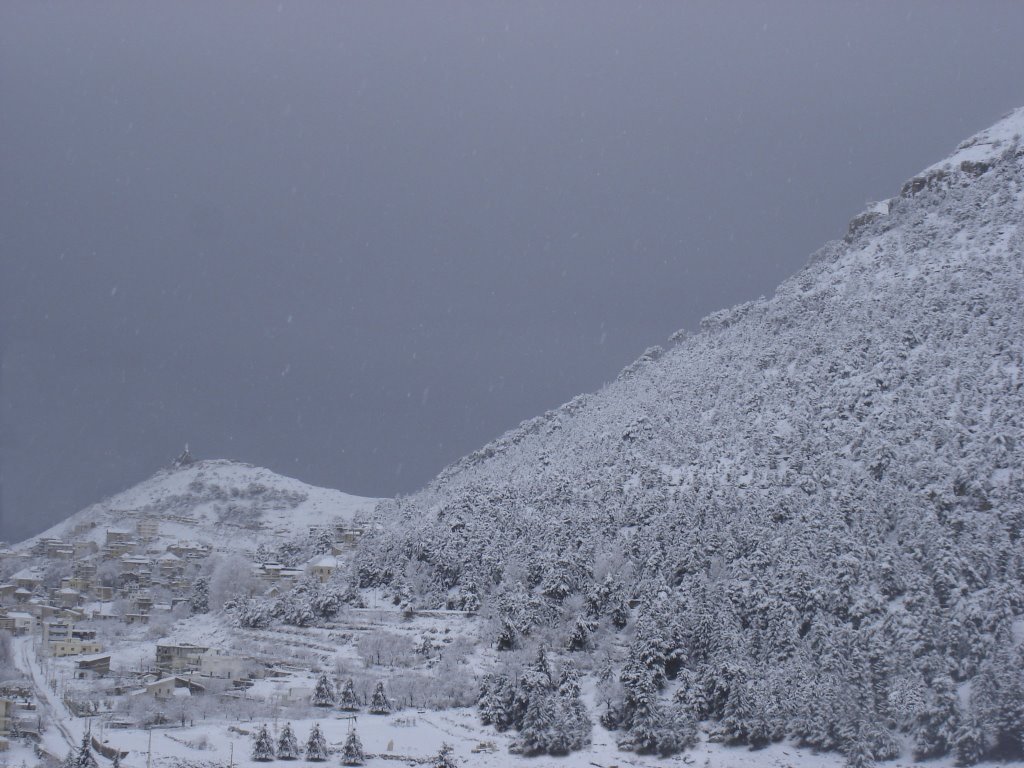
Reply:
x=66 y=731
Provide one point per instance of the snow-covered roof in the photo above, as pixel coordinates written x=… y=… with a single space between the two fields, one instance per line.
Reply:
x=325 y=561
x=92 y=657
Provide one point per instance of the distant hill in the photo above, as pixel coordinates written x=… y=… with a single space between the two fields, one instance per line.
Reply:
x=805 y=519
x=230 y=505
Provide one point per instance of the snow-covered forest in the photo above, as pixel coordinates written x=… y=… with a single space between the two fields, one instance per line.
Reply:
x=802 y=522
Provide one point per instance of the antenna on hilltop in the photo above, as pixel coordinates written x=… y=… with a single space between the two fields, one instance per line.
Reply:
x=184 y=459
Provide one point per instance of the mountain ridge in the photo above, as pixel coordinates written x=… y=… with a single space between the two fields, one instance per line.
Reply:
x=971 y=157
x=814 y=503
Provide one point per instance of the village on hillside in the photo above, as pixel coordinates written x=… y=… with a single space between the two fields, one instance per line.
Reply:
x=109 y=635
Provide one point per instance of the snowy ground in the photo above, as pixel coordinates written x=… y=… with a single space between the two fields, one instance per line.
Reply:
x=419 y=736
x=413 y=734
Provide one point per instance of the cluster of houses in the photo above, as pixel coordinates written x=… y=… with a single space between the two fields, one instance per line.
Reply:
x=131 y=574
x=127 y=566
x=131 y=565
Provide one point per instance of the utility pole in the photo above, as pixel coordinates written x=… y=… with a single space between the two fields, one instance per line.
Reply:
x=149 y=750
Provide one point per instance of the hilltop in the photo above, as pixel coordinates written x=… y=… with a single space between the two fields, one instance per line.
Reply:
x=229 y=504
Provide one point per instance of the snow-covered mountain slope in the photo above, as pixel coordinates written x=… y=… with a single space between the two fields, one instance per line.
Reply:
x=227 y=504
x=817 y=499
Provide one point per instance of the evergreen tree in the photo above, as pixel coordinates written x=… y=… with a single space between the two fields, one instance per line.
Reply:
x=656 y=727
x=323 y=694
x=538 y=728
x=84 y=757
x=969 y=743
x=316 y=745
x=579 y=637
x=574 y=720
x=497 y=702
x=352 y=751
x=347 y=699
x=938 y=721
x=858 y=754
x=445 y=758
x=263 y=746
x=739 y=710
x=287 y=744
x=543 y=666
x=379 y=704
x=678 y=732
x=1004 y=687
x=508 y=636
x=200 y=600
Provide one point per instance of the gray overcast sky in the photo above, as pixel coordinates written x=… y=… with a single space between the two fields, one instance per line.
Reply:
x=354 y=241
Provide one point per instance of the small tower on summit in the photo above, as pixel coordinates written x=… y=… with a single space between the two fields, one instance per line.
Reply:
x=184 y=459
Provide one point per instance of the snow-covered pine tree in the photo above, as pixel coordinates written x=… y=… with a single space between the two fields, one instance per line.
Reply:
x=352 y=751
x=379 y=704
x=497 y=701
x=573 y=716
x=316 y=745
x=263 y=745
x=969 y=742
x=858 y=754
x=287 y=744
x=579 y=637
x=508 y=635
x=938 y=722
x=84 y=758
x=643 y=714
x=543 y=666
x=445 y=757
x=538 y=730
x=200 y=600
x=323 y=694
x=347 y=699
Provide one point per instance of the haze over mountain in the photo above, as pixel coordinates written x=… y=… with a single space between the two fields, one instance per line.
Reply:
x=817 y=500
